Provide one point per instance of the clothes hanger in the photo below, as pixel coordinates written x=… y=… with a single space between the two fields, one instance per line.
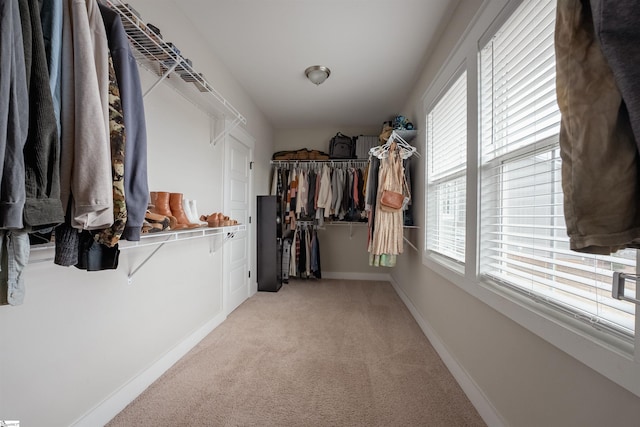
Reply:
x=380 y=151
x=406 y=150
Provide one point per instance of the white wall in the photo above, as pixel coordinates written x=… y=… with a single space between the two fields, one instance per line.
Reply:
x=82 y=339
x=525 y=380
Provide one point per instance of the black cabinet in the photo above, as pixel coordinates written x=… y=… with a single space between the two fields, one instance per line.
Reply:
x=269 y=244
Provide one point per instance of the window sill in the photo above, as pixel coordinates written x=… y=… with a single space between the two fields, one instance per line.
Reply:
x=609 y=355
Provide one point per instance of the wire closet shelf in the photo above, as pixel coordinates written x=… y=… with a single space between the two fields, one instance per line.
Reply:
x=166 y=61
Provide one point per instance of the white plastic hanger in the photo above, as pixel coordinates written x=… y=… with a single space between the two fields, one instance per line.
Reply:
x=405 y=149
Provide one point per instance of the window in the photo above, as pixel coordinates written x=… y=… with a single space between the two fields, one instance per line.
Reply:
x=446 y=172
x=523 y=241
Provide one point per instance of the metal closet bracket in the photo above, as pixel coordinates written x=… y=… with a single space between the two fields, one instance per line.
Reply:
x=164 y=76
x=406 y=239
x=213 y=138
x=408 y=242
x=158 y=56
x=135 y=270
x=215 y=243
x=220 y=236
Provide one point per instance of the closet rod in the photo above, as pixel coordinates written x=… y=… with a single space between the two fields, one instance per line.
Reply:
x=308 y=163
x=273 y=162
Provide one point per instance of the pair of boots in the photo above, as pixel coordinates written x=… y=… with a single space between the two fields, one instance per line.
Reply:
x=191 y=211
x=171 y=205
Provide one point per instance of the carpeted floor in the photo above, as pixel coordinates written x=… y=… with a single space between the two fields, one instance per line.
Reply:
x=316 y=353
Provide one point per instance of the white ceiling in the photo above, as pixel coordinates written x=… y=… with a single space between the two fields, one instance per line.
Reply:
x=375 y=49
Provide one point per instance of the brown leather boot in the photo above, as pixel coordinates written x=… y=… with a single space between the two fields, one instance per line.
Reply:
x=153 y=197
x=175 y=203
x=162 y=208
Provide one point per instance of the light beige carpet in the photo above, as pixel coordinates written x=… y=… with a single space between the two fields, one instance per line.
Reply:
x=316 y=353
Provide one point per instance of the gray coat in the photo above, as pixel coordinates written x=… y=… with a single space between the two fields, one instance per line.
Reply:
x=42 y=149
x=14 y=117
x=135 y=158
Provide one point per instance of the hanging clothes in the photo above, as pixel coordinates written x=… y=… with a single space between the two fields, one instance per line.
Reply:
x=336 y=194
x=85 y=169
x=305 y=263
x=274 y=182
x=600 y=178
x=387 y=240
x=311 y=205
x=408 y=212
x=14 y=116
x=51 y=18
x=303 y=194
x=42 y=208
x=332 y=192
x=372 y=194
x=617 y=31
x=302 y=253
x=136 y=186
x=316 y=269
x=326 y=192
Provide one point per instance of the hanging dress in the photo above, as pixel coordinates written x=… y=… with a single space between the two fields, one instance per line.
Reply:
x=387 y=239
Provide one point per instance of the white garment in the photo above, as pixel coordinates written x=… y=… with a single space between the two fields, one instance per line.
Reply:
x=303 y=193
x=274 y=182
x=324 y=198
x=85 y=148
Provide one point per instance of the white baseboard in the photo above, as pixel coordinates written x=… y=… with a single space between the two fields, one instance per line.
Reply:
x=114 y=404
x=475 y=394
x=356 y=276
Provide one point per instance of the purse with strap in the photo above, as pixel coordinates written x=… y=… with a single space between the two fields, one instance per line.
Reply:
x=392 y=201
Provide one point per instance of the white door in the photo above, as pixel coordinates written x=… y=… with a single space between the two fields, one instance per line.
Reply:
x=237 y=204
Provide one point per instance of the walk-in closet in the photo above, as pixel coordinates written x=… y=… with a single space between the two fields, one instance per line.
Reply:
x=296 y=213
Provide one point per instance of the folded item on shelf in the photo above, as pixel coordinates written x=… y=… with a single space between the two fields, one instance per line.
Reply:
x=173 y=47
x=201 y=83
x=154 y=29
x=301 y=154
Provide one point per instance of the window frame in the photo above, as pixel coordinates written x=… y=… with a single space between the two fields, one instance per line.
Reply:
x=614 y=357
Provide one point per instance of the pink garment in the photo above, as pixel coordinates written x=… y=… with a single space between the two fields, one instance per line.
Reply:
x=355 y=188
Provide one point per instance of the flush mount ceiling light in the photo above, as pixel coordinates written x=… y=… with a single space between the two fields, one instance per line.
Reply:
x=317 y=74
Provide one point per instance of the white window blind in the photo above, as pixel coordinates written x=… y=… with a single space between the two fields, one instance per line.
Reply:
x=523 y=242
x=446 y=172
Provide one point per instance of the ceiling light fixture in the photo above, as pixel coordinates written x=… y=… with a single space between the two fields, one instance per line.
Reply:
x=317 y=74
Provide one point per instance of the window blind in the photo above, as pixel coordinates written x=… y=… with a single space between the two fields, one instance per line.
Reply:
x=524 y=244
x=446 y=172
